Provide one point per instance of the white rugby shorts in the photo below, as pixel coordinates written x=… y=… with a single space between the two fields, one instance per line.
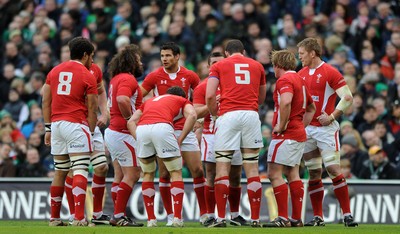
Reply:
x=121 y=147
x=238 y=129
x=68 y=137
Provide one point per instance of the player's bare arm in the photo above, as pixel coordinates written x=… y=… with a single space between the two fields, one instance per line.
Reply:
x=284 y=110
x=212 y=86
x=92 y=104
x=190 y=114
x=262 y=94
x=201 y=110
x=133 y=121
x=105 y=114
x=124 y=105
x=346 y=100
x=309 y=114
x=46 y=109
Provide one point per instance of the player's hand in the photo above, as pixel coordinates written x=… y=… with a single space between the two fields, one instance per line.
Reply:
x=277 y=130
x=102 y=121
x=324 y=119
x=180 y=140
x=197 y=125
x=47 y=137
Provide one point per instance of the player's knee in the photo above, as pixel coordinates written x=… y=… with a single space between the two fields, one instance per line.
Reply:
x=314 y=163
x=174 y=164
x=80 y=165
x=197 y=171
x=330 y=158
x=99 y=162
x=222 y=156
x=234 y=181
x=148 y=167
x=62 y=164
x=250 y=157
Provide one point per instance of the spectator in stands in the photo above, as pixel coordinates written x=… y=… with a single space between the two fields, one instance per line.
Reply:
x=12 y=55
x=36 y=141
x=395 y=39
x=350 y=150
x=34 y=116
x=345 y=167
x=394 y=122
x=210 y=35
x=370 y=116
x=5 y=82
x=389 y=60
x=32 y=166
x=17 y=108
x=381 y=130
x=378 y=166
x=7 y=168
x=380 y=104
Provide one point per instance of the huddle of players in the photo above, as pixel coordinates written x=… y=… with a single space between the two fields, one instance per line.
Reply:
x=156 y=130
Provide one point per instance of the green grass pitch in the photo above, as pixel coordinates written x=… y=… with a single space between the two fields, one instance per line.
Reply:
x=40 y=227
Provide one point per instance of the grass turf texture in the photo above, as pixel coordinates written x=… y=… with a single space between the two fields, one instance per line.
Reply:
x=41 y=227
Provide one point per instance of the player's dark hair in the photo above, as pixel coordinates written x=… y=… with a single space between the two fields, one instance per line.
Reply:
x=171 y=46
x=176 y=90
x=78 y=46
x=126 y=61
x=213 y=55
x=234 y=46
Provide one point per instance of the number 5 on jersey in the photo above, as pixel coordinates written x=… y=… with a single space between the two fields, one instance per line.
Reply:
x=64 y=87
x=242 y=75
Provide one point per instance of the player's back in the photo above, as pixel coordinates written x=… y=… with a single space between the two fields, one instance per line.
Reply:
x=70 y=82
x=240 y=80
x=162 y=109
x=123 y=84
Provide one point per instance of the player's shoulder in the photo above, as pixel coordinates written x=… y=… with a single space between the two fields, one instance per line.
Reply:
x=202 y=85
x=303 y=70
x=95 y=68
x=184 y=71
x=156 y=72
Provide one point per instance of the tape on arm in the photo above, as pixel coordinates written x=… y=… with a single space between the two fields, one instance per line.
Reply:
x=344 y=93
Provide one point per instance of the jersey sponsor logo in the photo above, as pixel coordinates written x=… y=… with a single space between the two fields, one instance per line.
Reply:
x=183 y=79
x=76 y=146
x=163 y=81
x=256 y=141
x=315 y=98
x=169 y=150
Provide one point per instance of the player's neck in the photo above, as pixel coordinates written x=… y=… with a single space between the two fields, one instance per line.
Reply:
x=173 y=69
x=315 y=63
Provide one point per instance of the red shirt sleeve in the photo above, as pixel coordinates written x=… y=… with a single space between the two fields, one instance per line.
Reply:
x=337 y=81
x=199 y=94
x=214 y=71
x=283 y=85
x=126 y=87
x=91 y=83
x=195 y=81
x=149 y=82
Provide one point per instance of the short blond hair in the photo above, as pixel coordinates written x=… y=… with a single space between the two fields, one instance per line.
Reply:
x=283 y=59
x=311 y=44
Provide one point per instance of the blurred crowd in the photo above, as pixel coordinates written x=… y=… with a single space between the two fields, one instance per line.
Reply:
x=360 y=38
